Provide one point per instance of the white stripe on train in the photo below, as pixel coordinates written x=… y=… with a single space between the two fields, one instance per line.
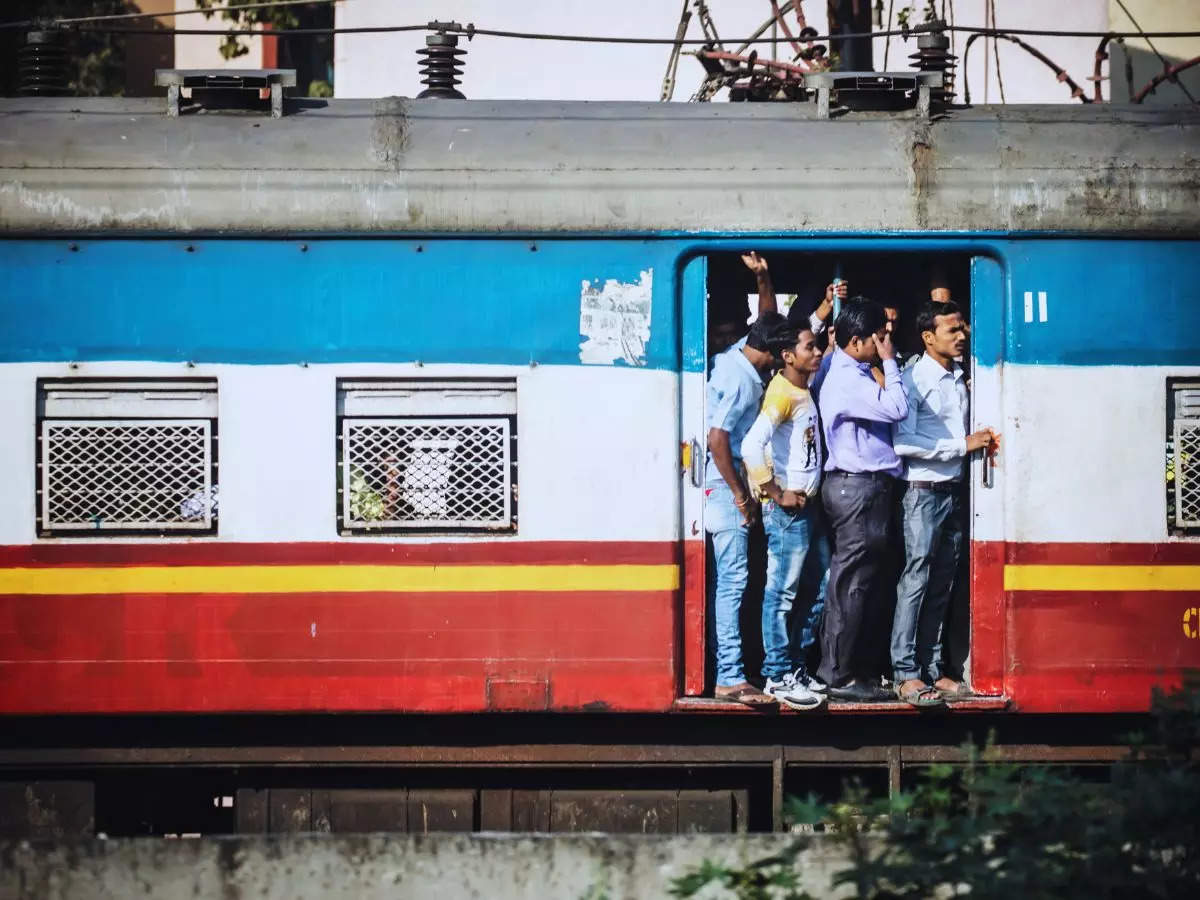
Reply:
x=598 y=448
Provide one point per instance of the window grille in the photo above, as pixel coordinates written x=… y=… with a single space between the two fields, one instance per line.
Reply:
x=120 y=456
x=1183 y=456
x=427 y=455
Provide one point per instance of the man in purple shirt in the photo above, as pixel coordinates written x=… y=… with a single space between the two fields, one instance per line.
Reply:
x=860 y=473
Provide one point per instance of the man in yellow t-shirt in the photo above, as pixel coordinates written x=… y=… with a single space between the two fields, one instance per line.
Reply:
x=782 y=454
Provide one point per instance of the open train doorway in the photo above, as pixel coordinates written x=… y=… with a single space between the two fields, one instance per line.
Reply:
x=803 y=287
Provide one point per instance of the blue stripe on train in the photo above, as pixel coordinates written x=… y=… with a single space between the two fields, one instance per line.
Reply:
x=489 y=300
x=270 y=301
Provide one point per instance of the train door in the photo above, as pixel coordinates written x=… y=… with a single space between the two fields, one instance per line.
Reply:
x=693 y=307
x=712 y=289
x=987 y=485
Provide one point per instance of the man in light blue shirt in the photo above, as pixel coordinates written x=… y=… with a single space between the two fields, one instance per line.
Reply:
x=734 y=392
x=934 y=443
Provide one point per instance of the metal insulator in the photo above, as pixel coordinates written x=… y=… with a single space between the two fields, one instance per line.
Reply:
x=42 y=65
x=933 y=55
x=441 y=66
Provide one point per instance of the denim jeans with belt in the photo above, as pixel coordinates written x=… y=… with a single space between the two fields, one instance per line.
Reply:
x=932 y=542
x=791 y=534
x=723 y=521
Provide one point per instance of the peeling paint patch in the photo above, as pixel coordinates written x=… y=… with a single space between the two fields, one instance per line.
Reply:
x=65 y=211
x=614 y=320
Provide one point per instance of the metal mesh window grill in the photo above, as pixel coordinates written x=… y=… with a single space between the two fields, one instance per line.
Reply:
x=1187 y=473
x=127 y=474
x=427 y=473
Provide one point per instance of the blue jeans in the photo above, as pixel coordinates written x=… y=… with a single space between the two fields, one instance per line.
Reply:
x=789 y=536
x=814 y=582
x=730 y=545
x=932 y=543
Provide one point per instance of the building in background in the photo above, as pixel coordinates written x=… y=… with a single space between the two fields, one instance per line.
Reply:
x=377 y=65
x=385 y=64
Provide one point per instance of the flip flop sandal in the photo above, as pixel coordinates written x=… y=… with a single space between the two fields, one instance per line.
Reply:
x=960 y=692
x=747 y=695
x=920 y=697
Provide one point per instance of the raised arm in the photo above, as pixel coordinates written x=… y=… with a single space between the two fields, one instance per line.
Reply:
x=766 y=289
x=819 y=318
x=876 y=404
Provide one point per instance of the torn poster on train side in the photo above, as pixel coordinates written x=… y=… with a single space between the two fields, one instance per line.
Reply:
x=614 y=319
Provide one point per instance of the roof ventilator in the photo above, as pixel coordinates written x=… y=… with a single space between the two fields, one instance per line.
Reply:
x=930 y=87
x=226 y=88
x=874 y=90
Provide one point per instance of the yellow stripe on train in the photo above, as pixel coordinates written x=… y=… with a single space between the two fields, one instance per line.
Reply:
x=334 y=578
x=1101 y=578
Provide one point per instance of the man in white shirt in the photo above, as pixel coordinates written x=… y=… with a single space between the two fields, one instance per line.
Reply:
x=932 y=441
x=782 y=453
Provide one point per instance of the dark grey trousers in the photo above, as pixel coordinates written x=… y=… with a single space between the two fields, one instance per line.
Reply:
x=859 y=508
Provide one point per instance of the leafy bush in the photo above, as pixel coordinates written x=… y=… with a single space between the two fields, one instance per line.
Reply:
x=988 y=830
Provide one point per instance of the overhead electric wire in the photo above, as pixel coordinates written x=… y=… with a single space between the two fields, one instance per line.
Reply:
x=471 y=30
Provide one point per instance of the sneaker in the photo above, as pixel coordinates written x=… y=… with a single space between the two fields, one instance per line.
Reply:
x=791 y=693
x=814 y=684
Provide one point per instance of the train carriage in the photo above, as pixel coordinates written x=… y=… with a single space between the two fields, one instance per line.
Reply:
x=397 y=406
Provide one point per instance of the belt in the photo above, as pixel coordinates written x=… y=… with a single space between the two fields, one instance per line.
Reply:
x=873 y=475
x=942 y=487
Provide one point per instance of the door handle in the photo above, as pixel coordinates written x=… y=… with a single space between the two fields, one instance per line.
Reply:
x=988 y=478
x=689 y=456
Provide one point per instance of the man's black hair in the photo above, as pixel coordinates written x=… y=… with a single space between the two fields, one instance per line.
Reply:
x=928 y=313
x=860 y=318
x=764 y=331
x=785 y=339
x=796 y=315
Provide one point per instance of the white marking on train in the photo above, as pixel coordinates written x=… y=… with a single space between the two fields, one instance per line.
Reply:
x=614 y=318
x=1041 y=306
x=312 y=630
x=1029 y=306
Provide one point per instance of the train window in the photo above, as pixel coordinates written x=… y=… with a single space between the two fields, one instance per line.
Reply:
x=120 y=456
x=421 y=455
x=1183 y=456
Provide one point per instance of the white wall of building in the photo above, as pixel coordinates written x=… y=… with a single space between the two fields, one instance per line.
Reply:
x=374 y=65
x=193 y=51
x=1156 y=15
x=378 y=65
x=1025 y=79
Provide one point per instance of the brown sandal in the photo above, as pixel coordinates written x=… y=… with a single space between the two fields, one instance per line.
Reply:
x=924 y=696
x=745 y=694
x=960 y=691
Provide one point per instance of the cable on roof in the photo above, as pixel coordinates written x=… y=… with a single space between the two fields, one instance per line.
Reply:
x=1076 y=91
x=596 y=39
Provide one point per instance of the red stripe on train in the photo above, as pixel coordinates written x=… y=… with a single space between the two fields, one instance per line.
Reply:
x=209 y=653
x=1113 y=554
x=220 y=553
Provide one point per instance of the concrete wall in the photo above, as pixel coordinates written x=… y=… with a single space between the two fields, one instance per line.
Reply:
x=437 y=867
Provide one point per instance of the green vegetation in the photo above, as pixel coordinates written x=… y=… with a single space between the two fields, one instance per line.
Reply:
x=988 y=830
x=272 y=17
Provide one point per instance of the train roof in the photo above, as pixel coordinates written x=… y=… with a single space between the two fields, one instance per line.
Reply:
x=121 y=166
